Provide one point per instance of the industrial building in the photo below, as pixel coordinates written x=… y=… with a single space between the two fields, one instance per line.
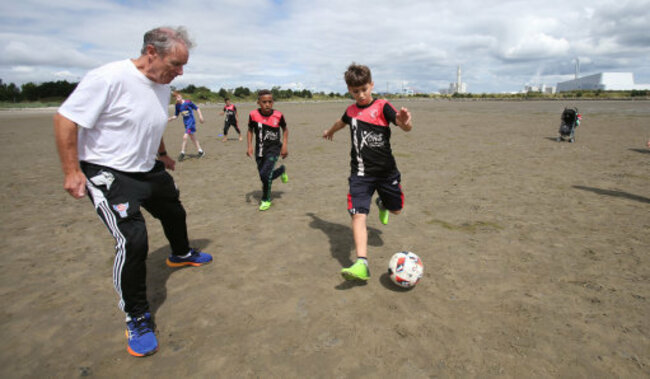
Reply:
x=605 y=81
x=455 y=87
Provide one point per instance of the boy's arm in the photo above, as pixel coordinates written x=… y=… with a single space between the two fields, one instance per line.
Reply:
x=198 y=110
x=175 y=116
x=249 y=139
x=285 y=142
x=403 y=119
x=329 y=133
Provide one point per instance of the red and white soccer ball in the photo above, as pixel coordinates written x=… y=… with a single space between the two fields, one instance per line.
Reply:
x=405 y=269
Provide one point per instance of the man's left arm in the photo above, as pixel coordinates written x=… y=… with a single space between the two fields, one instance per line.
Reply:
x=169 y=163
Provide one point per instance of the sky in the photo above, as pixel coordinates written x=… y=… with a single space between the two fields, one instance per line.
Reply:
x=501 y=46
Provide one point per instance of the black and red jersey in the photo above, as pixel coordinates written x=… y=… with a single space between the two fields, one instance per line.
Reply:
x=230 y=111
x=268 y=137
x=371 y=154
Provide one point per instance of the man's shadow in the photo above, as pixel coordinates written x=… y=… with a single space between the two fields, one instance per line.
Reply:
x=342 y=242
x=158 y=273
x=257 y=196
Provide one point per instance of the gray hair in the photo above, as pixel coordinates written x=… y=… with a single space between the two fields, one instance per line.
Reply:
x=165 y=38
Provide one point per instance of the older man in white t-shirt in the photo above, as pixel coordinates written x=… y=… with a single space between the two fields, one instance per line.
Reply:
x=109 y=136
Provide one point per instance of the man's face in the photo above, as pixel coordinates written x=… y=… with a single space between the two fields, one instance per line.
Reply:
x=266 y=103
x=164 y=68
x=362 y=94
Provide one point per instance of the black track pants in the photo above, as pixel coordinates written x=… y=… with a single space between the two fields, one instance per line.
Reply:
x=117 y=197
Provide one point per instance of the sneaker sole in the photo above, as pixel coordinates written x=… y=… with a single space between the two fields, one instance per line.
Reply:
x=350 y=276
x=133 y=353
x=181 y=264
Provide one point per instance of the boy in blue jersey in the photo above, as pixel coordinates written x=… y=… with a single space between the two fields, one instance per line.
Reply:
x=185 y=108
x=271 y=139
x=373 y=166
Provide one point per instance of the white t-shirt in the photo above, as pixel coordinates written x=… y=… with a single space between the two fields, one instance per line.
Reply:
x=122 y=115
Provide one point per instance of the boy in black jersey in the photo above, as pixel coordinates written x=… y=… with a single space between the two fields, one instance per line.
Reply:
x=270 y=143
x=232 y=118
x=373 y=166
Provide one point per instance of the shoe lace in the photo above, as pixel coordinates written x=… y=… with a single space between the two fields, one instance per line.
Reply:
x=141 y=325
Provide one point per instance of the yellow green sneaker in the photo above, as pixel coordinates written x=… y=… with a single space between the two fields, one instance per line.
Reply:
x=284 y=177
x=358 y=271
x=264 y=205
x=383 y=212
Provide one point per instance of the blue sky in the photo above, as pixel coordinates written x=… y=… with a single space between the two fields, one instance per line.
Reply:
x=501 y=45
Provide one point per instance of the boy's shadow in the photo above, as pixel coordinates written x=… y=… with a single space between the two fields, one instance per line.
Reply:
x=189 y=156
x=342 y=242
x=158 y=273
x=257 y=196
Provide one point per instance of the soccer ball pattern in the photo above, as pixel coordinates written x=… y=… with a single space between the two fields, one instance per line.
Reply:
x=405 y=269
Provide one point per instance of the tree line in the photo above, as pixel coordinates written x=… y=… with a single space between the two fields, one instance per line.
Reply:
x=204 y=94
x=36 y=92
x=59 y=90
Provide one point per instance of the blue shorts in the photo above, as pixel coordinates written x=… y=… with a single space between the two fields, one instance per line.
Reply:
x=190 y=129
x=363 y=187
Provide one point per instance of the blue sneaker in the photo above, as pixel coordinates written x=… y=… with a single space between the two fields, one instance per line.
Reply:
x=140 y=331
x=196 y=258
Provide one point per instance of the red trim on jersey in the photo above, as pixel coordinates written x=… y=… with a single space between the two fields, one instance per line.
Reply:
x=373 y=114
x=349 y=201
x=230 y=107
x=273 y=120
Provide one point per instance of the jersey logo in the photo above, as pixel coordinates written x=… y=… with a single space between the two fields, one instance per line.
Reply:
x=271 y=136
x=371 y=139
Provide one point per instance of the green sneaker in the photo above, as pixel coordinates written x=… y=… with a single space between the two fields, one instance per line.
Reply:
x=264 y=205
x=358 y=271
x=284 y=177
x=383 y=212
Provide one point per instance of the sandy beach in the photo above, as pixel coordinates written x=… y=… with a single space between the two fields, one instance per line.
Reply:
x=536 y=253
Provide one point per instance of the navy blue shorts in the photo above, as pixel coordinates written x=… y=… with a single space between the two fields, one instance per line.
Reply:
x=363 y=187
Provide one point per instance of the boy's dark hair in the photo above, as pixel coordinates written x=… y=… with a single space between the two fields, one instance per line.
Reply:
x=357 y=75
x=226 y=99
x=263 y=92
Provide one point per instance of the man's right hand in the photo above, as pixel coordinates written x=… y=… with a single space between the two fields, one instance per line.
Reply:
x=75 y=184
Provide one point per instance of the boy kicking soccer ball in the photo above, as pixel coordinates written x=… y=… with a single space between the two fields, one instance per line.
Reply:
x=373 y=166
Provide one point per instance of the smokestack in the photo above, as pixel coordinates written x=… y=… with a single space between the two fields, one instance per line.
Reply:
x=458 y=80
x=577 y=68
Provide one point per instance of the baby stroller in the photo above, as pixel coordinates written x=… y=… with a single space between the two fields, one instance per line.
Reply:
x=570 y=121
